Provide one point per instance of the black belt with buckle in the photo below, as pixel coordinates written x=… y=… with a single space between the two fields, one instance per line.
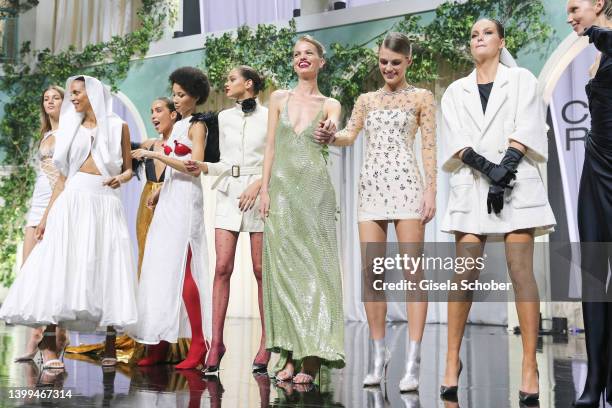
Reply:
x=235 y=170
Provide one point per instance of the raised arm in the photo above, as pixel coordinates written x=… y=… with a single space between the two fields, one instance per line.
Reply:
x=197 y=134
x=347 y=136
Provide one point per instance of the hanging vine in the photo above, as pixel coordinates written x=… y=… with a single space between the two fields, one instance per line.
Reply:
x=349 y=66
x=24 y=81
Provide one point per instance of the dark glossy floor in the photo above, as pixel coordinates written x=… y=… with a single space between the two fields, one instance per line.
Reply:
x=490 y=378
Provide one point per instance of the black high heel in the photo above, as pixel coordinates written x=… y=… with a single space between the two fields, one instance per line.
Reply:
x=214 y=369
x=449 y=392
x=259 y=368
x=528 y=398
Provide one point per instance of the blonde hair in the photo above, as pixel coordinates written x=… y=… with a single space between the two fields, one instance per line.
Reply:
x=45 y=121
x=310 y=39
x=606 y=9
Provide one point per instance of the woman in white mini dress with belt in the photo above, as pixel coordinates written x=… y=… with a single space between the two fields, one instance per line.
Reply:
x=242 y=136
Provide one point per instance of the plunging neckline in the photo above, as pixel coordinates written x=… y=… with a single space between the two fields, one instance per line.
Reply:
x=309 y=123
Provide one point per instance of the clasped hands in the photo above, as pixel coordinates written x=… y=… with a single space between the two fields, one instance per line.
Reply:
x=501 y=177
x=325 y=133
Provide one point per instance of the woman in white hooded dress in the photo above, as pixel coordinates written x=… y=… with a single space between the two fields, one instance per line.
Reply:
x=82 y=274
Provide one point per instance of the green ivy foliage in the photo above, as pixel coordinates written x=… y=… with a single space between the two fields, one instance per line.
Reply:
x=446 y=39
x=349 y=66
x=267 y=49
x=11 y=8
x=23 y=83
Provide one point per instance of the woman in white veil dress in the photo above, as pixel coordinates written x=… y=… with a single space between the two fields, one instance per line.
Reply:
x=81 y=275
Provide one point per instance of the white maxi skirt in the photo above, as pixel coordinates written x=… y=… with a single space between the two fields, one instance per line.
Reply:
x=82 y=274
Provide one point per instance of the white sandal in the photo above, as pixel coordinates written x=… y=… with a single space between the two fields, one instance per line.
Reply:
x=55 y=363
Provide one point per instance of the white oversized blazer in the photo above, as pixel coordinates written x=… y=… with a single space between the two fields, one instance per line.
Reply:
x=514 y=111
x=242 y=138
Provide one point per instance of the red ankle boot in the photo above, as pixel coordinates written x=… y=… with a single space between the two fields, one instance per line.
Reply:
x=156 y=353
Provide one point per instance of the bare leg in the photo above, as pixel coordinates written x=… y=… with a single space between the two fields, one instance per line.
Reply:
x=519 y=255
x=48 y=346
x=288 y=370
x=413 y=232
x=61 y=337
x=310 y=368
x=225 y=248
x=468 y=245
x=36 y=334
x=410 y=234
x=263 y=356
x=376 y=312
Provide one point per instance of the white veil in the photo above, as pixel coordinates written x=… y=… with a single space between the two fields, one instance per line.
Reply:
x=507 y=59
x=106 y=148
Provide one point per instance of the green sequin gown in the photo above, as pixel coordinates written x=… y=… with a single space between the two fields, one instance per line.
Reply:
x=302 y=289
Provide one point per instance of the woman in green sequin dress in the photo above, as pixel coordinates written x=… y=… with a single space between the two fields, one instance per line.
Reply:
x=302 y=287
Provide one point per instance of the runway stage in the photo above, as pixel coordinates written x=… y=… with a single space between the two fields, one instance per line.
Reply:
x=490 y=378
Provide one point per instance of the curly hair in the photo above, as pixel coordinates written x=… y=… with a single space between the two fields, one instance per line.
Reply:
x=193 y=81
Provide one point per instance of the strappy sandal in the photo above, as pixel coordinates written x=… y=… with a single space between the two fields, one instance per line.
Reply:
x=55 y=363
x=309 y=378
x=283 y=378
x=109 y=361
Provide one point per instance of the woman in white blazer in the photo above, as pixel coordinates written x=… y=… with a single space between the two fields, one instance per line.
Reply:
x=242 y=135
x=493 y=138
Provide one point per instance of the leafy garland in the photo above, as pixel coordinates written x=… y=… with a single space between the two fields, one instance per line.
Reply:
x=23 y=83
x=11 y=8
x=350 y=68
x=350 y=71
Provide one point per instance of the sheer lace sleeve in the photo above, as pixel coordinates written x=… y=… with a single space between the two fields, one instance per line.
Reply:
x=427 y=124
x=347 y=136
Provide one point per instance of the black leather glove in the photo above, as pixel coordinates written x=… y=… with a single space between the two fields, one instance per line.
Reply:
x=495 y=198
x=498 y=174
